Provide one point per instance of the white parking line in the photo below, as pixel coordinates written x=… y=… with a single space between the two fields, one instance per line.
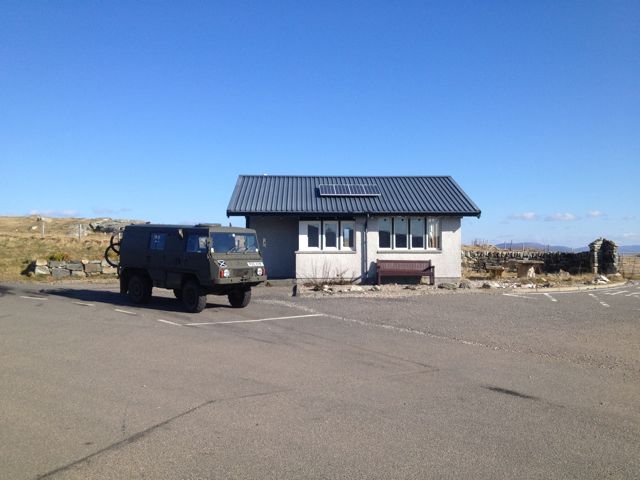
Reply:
x=632 y=294
x=170 y=323
x=33 y=298
x=617 y=293
x=601 y=303
x=83 y=304
x=255 y=321
x=518 y=296
x=125 y=311
x=550 y=297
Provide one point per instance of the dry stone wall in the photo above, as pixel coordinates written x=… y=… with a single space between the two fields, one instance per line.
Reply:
x=72 y=268
x=602 y=258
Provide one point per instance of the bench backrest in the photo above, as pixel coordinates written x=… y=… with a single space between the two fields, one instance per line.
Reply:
x=403 y=265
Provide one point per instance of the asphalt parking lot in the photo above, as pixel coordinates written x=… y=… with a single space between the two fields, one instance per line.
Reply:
x=461 y=385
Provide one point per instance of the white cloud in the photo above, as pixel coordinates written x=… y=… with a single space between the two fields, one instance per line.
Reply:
x=595 y=214
x=55 y=213
x=109 y=211
x=561 y=217
x=528 y=216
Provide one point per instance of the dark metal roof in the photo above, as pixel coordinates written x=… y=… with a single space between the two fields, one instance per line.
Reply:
x=299 y=195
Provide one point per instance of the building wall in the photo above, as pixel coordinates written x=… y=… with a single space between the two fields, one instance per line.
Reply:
x=278 y=239
x=446 y=262
x=284 y=260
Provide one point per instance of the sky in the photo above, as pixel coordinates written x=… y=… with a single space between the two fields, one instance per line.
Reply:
x=150 y=110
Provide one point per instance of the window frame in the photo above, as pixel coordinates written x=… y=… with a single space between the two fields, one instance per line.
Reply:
x=341 y=244
x=410 y=223
x=157 y=241
x=336 y=225
x=303 y=235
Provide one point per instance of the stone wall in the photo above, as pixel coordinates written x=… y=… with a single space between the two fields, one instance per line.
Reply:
x=71 y=268
x=601 y=259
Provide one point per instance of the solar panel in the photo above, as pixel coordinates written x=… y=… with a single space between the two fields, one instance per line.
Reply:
x=348 y=190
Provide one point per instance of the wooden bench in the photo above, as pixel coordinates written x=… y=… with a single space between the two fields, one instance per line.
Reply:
x=405 y=268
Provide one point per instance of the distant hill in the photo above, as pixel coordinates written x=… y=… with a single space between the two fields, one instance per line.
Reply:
x=539 y=246
x=560 y=248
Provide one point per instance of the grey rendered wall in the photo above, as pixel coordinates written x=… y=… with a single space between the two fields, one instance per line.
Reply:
x=278 y=239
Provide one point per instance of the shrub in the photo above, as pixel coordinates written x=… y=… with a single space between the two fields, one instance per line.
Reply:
x=60 y=257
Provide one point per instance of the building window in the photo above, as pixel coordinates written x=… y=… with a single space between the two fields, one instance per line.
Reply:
x=434 y=233
x=157 y=241
x=409 y=233
x=400 y=232
x=416 y=227
x=330 y=235
x=348 y=240
x=327 y=235
x=384 y=232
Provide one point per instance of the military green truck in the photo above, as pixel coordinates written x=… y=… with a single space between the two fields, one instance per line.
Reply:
x=191 y=260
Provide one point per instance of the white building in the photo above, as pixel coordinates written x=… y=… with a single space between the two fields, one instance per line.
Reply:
x=330 y=227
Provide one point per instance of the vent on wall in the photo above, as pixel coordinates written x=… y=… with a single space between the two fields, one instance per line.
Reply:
x=348 y=190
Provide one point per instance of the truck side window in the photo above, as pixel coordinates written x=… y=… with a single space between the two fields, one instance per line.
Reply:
x=196 y=244
x=157 y=241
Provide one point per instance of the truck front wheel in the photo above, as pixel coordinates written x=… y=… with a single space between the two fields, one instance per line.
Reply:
x=240 y=298
x=193 y=298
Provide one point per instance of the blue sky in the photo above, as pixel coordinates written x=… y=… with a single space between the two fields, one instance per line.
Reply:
x=150 y=110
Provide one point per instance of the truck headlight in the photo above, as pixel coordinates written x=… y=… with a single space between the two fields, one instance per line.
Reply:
x=225 y=273
x=259 y=271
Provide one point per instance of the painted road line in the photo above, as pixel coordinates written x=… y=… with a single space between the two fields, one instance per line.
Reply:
x=601 y=302
x=632 y=294
x=170 y=323
x=28 y=297
x=83 y=304
x=618 y=293
x=125 y=311
x=255 y=321
x=550 y=297
x=518 y=296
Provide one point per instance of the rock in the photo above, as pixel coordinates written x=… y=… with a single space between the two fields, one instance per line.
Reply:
x=84 y=261
x=77 y=273
x=109 y=270
x=356 y=288
x=411 y=287
x=60 y=272
x=465 y=284
x=104 y=263
x=93 y=268
x=448 y=286
x=75 y=267
x=602 y=279
x=486 y=285
x=376 y=288
x=55 y=264
x=41 y=262
x=42 y=270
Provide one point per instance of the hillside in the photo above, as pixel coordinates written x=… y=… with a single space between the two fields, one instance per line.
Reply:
x=22 y=241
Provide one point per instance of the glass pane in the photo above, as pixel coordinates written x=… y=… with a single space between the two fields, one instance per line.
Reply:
x=313 y=235
x=331 y=234
x=417 y=233
x=384 y=233
x=348 y=237
x=157 y=241
x=433 y=227
x=400 y=232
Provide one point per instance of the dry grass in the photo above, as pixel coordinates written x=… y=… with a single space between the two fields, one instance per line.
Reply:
x=21 y=243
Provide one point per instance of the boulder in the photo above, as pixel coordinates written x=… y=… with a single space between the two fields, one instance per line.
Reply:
x=356 y=288
x=75 y=267
x=42 y=270
x=93 y=268
x=77 y=273
x=60 y=272
x=448 y=286
x=42 y=262
x=465 y=284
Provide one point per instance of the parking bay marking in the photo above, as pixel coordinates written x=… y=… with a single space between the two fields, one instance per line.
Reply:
x=601 y=303
x=254 y=321
x=518 y=296
x=125 y=311
x=550 y=297
x=617 y=293
x=33 y=298
x=170 y=323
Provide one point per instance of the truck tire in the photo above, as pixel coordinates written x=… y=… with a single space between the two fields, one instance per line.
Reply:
x=193 y=298
x=240 y=298
x=178 y=293
x=139 y=288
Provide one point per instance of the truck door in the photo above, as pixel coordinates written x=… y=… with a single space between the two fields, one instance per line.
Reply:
x=195 y=259
x=156 y=258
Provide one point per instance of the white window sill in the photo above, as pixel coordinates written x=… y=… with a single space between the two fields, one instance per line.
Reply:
x=327 y=252
x=407 y=251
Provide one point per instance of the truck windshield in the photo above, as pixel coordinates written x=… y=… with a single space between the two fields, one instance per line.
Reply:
x=230 y=242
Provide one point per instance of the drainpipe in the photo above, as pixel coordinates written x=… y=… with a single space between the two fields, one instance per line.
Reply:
x=366 y=248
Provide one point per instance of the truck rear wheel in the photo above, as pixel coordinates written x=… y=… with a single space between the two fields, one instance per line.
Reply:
x=193 y=298
x=240 y=298
x=139 y=288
